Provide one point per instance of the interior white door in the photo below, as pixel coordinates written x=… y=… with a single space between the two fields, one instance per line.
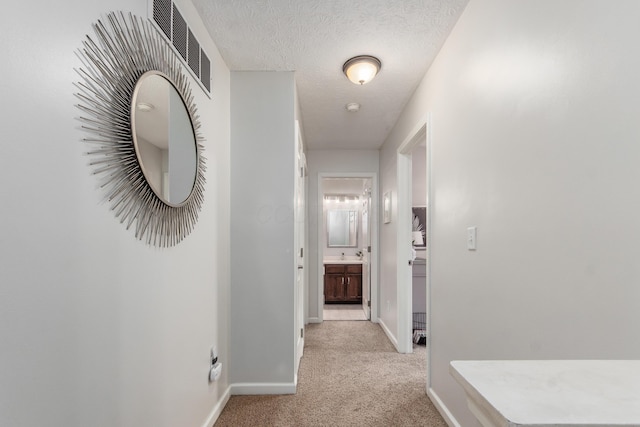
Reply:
x=366 y=244
x=300 y=237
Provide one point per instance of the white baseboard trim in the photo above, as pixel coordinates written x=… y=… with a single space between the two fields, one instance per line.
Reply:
x=317 y=320
x=442 y=408
x=262 y=388
x=386 y=330
x=217 y=410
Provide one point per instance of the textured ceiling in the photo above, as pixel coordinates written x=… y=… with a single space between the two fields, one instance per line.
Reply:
x=315 y=37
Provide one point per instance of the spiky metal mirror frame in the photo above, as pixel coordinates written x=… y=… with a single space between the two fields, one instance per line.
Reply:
x=127 y=47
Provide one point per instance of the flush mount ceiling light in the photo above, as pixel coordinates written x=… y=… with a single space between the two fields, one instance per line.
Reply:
x=361 y=69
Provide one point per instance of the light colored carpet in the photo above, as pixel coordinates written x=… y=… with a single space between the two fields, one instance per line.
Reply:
x=343 y=312
x=350 y=375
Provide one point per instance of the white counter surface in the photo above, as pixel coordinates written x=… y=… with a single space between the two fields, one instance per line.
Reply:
x=552 y=392
x=342 y=261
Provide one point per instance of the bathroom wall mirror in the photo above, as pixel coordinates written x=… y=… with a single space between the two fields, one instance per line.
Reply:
x=164 y=138
x=342 y=229
x=143 y=128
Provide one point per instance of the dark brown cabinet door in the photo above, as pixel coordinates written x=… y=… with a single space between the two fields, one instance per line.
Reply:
x=354 y=288
x=353 y=279
x=334 y=287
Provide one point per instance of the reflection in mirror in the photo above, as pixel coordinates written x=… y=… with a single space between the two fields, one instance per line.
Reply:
x=342 y=229
x=164 y=138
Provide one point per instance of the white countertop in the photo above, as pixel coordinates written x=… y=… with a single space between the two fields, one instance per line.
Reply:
x=342 y=261
x=552 y=392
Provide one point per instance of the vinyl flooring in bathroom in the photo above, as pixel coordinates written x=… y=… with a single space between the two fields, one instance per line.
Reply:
x=343 y=312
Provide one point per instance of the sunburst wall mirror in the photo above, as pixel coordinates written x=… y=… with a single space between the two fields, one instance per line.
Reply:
x=142 y=126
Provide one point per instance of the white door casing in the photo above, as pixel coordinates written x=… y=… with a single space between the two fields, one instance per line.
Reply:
x=373 y=238
x=404 y=248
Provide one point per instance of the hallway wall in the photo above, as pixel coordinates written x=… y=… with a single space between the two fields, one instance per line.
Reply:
x=96 y=327
x=263 y=259
x=534 y=141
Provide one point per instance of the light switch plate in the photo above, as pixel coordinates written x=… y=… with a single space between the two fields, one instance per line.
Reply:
x=471 y=238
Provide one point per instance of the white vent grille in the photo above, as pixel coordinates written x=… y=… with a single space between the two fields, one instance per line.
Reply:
x=172 y=24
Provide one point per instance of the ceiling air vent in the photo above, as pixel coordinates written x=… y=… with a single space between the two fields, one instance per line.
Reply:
x=172 y=24
x=179 y=33
x=194 y=54
x=162 y=16
x=205 y=70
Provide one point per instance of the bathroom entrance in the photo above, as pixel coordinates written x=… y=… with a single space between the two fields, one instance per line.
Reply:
x=347 y=257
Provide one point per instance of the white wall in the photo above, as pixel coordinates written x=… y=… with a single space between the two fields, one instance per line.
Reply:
x=263 y=263
x=535 y=142
x=97 y=328
x=329 y=161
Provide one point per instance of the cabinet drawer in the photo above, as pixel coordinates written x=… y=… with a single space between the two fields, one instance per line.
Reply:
x=334 y=269
x=354 y=268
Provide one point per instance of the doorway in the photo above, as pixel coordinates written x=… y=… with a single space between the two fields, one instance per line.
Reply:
x=351 y=196
x=410 y=204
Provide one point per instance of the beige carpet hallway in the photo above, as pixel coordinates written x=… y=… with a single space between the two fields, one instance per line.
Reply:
x=350 y=375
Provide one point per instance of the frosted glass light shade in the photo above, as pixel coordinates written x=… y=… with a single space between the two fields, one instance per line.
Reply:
x=361 y=69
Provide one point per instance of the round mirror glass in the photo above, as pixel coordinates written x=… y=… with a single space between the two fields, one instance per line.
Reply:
x=164 y=139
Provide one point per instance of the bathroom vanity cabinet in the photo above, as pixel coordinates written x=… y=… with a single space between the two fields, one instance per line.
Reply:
x=343 y=283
